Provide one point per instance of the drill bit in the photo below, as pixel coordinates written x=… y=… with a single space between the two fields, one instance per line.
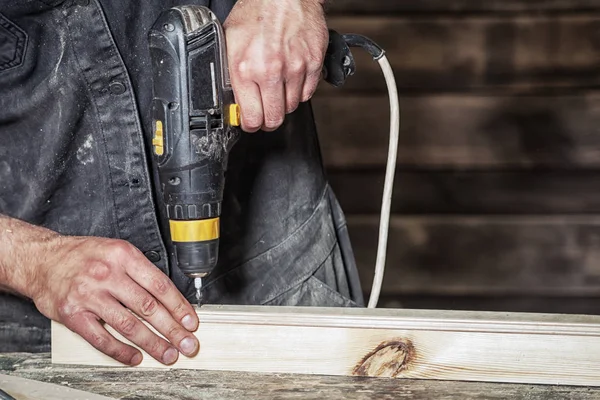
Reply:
x=198 y=285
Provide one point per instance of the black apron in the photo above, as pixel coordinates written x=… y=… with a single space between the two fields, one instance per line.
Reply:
x=75 y=131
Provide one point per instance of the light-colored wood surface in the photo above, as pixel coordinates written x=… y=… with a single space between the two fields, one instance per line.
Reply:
x=469 y=346
x=159 y=384
x=27 y=389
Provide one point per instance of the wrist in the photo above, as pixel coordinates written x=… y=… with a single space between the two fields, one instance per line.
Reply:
x=24 y=250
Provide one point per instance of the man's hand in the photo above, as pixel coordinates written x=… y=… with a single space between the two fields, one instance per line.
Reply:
x=84 y=283
x=276 y=51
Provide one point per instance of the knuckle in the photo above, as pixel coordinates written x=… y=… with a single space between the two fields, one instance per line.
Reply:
x=309 y=90
x=127 y=325
x=155 y=348
x=82 y=289
x=161 y=285
x=121 y=249
x=292 y=106
x=297 y=67
x=120 y=353
x=273 y=123
x=252 y=122
x=314 y=65
x=149 y=306
x=179 y=310
x=174 y=331
x=242 y=69
x=98 y=271
x=273 y=119
x=99 y=341
x=67 y=310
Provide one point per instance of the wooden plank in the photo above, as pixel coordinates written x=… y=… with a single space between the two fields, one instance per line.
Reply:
x=517 y=54
x=471 y=346
x=466 y=132
x=20 y=388
x=149 y=384
x=483 y=255
x=462 y=6
x=470 y=192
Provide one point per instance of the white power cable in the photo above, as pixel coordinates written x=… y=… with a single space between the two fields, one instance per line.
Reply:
x=388 y=186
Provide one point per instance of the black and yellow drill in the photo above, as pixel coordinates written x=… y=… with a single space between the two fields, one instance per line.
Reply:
x=196 y=123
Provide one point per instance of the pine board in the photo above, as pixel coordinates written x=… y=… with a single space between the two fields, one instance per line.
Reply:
x=417 y=344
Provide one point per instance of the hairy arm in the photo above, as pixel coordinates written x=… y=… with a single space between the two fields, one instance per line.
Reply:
x=19 y=241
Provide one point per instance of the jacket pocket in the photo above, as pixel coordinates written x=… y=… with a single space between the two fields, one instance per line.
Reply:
x=13 y=44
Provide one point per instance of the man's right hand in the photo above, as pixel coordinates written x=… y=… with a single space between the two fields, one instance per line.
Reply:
x=86 y=282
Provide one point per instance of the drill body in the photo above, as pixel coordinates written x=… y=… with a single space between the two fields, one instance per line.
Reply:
x=195 y=123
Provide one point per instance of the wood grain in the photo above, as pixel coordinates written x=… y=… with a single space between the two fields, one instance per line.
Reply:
x=149 y=384
x=27 y=389
x=466 y=132
x=462 y=6
x=512 y=192
x=519 y=54
x=483 y=255
x=491 y=347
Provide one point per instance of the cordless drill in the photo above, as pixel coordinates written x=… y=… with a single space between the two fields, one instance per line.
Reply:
x=196 y=123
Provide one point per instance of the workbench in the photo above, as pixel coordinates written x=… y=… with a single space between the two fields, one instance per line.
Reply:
x=131 y=383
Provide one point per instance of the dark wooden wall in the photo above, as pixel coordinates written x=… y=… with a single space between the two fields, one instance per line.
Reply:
x=497 y=199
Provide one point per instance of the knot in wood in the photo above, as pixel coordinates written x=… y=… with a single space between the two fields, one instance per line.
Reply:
x=388 y=359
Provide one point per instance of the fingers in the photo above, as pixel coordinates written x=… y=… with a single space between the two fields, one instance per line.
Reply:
x=89 y=328
x=150 y=309
x=128 y=325
x=313 y=76
x=248 y=96
x=274 y=103
x=294 y=85
x=146 y=275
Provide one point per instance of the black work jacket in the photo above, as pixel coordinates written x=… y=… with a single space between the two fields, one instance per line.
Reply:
x=75 y=134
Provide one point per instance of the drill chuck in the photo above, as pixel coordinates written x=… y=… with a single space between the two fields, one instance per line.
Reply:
x=196 y=245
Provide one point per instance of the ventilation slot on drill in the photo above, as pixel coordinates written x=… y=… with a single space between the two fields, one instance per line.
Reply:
x=198 y=123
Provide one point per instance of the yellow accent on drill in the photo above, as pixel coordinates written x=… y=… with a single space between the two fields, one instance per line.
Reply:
x=158 y=140
x=195 y=231
x=235 y=118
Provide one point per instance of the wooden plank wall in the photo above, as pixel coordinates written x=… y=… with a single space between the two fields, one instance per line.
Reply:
x=497 y=198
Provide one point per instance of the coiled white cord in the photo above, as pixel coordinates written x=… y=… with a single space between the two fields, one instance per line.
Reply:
x=388 y=186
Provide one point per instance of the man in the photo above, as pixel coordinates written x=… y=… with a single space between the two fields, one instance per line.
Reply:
x=79 y=233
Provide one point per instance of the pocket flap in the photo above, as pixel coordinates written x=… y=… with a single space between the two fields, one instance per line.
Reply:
x=13 y=42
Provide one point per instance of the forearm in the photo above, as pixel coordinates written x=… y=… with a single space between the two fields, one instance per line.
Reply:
x=20 y=242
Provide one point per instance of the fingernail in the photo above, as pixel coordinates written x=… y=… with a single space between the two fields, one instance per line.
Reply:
x=170 y=356
x=188 y=323
x=188 y=346
x=137 y=359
